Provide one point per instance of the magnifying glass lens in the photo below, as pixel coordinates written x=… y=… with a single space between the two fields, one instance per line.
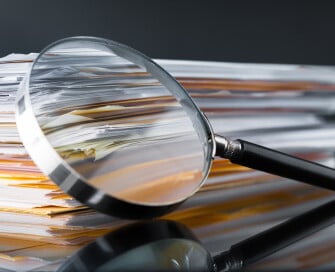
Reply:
x=105 y=114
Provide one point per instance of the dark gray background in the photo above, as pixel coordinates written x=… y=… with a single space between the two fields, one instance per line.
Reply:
x=281 y=31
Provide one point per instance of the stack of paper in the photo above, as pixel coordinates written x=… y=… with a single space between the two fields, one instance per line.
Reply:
x=31 y=206
x=281 y=106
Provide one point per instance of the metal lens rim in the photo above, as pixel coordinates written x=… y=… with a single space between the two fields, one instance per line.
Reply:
x=71 y=182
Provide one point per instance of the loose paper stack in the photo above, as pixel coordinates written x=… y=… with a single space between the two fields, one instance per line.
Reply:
x=31 y=206
x=280 y=106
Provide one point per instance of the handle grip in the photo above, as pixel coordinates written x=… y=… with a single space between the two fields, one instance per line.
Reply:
x=275 y=162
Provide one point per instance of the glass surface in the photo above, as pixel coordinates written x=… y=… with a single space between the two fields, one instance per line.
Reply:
x=119 y=121
x=280 y=106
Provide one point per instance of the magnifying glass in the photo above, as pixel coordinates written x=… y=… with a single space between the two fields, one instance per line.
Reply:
x=169 y=246
x=118 y=133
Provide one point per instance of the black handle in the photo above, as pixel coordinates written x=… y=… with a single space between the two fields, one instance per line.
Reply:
x=281 y=164
x=276 y=238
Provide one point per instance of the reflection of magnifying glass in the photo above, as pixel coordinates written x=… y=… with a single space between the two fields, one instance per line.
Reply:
x=169 y=246
x=151 y=246
x=117 y=132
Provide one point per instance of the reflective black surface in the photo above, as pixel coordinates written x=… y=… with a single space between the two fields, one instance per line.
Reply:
x=169 y=246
